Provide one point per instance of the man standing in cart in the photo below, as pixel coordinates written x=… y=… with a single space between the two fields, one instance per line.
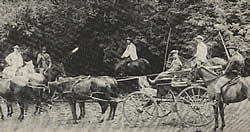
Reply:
x=176 y=65
x=233 y=70
x=201 y=51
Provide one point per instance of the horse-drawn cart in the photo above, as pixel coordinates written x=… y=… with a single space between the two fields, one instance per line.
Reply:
x=179 y=93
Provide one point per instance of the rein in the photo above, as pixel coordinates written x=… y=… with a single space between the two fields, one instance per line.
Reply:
x=211 y=79
x=207 y=81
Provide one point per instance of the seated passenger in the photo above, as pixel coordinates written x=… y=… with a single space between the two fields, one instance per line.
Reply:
x=176 y=65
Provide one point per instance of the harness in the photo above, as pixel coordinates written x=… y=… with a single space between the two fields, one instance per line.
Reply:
x=229 y=83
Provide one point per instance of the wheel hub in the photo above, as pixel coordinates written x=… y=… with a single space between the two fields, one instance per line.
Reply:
x=140 y=110
x=195 y=107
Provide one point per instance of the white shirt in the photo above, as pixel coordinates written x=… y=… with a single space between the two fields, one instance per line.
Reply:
x=130 y=52
x=14 y=59
x=201 y=52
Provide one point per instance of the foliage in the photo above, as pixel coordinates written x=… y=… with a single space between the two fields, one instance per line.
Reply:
x=99 y=27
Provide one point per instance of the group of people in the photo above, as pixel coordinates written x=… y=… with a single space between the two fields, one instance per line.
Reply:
x=233 y=69
x=15 y=62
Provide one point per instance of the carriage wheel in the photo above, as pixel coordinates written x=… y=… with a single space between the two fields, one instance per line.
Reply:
x=140 y=109
x=194 y=107
x=165 y=104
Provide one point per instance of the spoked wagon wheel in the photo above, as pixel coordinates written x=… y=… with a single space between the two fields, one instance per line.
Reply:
x=194 y=108
x=165 y=104
x=140 y=109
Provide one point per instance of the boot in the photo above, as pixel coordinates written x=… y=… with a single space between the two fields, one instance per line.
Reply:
x=151 y=82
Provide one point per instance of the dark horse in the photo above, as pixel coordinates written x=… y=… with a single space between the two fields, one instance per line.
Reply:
x=102 y=88
x=139 y=67
x=24 y=93
x=231 y=93
x=134 y=68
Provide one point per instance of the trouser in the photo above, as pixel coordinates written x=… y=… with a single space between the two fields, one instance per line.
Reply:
x=41 y=70
x=162 y=75
x=10 y=71
x=128 y=60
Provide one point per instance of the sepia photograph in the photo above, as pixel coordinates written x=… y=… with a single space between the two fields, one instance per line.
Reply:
x=124 y=65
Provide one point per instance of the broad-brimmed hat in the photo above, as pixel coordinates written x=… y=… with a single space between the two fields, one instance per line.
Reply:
x=199 y=37
x=174 y=52
x=16 y=47
x=232 y=47
x=43 y=48
x=128 y=38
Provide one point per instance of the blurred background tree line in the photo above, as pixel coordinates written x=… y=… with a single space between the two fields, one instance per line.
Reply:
x=99 y=27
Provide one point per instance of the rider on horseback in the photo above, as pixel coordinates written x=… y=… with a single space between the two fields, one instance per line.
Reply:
x=233 y=70
x=176 y=65
x=130 y=51
x=15 y=61
x=43 y=61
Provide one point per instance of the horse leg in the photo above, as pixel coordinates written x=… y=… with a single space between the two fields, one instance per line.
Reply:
x=104 y=107
x=215 y=117
x=113 y=107
x=111 y=111
x=222 y=116
x=1 y=111
x=21 y=116
x=72 y=104
x=9 y=109
x=82 y=110
x=38 y=108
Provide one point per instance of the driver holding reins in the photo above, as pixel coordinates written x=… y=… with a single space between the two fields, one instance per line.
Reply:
x=233 y=70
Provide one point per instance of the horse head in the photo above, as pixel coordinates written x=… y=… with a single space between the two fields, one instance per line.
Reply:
x=28 y=69
x=56 y=71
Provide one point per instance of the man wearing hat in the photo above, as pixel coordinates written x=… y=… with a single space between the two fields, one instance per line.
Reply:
x=130 y=51
x=43 y=61
x=201 y=50
x=176 y=65
x=15 y=61
x=233 y=69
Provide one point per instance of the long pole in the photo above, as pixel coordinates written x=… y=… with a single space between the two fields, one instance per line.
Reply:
x=166 y=50
x=223 y=43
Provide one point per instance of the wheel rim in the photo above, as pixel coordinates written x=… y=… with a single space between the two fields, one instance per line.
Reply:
x=194 y=107
x=165 y=104
x=140 y=109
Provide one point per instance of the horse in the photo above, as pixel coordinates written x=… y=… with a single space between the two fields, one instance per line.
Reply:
x=138 y=67
x=234 y=92
x=16 y=89
x=79 y=89
x=29 y=77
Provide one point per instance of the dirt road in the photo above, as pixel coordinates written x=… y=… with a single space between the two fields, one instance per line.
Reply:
x=59 y=119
